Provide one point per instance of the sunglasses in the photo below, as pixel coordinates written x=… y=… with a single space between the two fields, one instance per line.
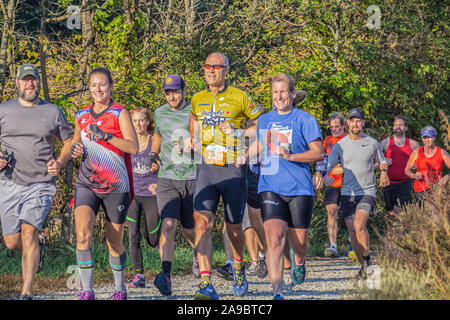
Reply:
x=214 y=66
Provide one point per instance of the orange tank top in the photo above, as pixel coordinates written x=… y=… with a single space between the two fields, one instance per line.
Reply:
x=328 y=144
x=431 y=169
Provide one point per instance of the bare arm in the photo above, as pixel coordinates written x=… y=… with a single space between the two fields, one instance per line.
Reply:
x=315 y=153
x=410 y=165
x=446 y=158
x=129 y=142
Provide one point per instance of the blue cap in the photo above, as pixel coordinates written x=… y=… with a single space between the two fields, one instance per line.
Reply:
x=173 y=82
x=428 y=132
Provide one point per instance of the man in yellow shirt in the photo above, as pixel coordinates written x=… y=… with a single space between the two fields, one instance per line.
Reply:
x=218 y=119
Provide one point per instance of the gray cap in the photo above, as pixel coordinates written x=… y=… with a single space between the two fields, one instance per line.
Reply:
x=27 y=69
x=356 y=113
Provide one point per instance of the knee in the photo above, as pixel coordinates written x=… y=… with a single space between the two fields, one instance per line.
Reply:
x=203 y=224
x=359 y=227
x=83 y=240
x=13 y=244
x=169 y=226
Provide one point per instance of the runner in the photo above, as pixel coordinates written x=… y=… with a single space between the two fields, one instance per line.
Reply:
x=28 y=169
x=176 y=177
x=357 y=153
x=291 y=139
x=222 y=111
x=429 y=161
x=104 y=136
x=144 y=196
x=333 y=192
x=397 y=150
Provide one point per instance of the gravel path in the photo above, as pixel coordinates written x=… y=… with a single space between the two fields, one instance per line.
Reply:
x=326 y=278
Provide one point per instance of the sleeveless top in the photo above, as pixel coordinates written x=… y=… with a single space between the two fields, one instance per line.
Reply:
x=104 y=168
x=328 y=144
x=431 y=169
x=399 y=156
x=142 y=176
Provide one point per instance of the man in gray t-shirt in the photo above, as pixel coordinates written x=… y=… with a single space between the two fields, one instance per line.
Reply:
x=28 y=169
x=357 y=153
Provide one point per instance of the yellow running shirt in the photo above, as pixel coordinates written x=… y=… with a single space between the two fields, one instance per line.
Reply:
x=230 y=105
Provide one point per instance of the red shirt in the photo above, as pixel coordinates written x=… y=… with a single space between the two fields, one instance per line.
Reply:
x=431 y=169
x=104 y=169
x=328 y=144
x=399 y=156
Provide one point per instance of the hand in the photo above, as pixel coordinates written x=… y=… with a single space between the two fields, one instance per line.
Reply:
x=384 y=179
x=282 y=152
x=154 y=159
x=152 y=188
x=389 y=161
x=418 y=176
x=327 y=180
x=155 y=167
x=95 y=133
x=317 y=180
x=240 y=161
x=5 y=160
x=337 y=170
x=76 y=150
x=227 y=128
x=53 y=167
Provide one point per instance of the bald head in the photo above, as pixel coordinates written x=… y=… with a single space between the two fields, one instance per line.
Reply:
x=220 y=56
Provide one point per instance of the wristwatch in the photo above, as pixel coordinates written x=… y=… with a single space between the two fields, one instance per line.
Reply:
x=108 y=136
x=384 y=170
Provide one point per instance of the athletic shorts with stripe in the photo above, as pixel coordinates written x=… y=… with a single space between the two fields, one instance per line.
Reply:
x=175 y=200
x=296 y=211
x=229 y=182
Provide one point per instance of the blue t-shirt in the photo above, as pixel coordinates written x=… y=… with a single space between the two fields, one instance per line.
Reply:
x=294 y=131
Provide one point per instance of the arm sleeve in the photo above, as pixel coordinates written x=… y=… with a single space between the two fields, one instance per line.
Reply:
x=334 y=157
x=251 y=109
x=379 y=155
x=64 y=128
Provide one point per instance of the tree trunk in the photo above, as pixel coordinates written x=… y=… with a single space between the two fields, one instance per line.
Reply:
x=42 y=54
x=8 y=11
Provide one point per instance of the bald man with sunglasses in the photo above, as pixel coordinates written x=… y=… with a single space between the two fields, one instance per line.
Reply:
x=219 y=115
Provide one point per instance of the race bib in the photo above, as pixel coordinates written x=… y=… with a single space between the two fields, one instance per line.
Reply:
x=216 y=155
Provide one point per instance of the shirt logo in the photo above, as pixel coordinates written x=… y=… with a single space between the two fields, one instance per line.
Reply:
x=212 y=118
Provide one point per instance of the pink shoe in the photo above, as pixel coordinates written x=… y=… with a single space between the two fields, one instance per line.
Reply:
x=86 y=295
x=119 y=295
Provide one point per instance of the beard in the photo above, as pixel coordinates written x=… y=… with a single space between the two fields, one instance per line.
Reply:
x=399 y=132
x=29 y=97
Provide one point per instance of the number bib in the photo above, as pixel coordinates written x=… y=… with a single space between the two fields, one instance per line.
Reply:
x=216 y=155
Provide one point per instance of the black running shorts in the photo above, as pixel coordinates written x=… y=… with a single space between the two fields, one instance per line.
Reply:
x=175 y=200
x=295 y=211
x=252 y=197
x=115 y=205
x=349 y=205
x=332 y=195
x=216 y=181
x=397 y=194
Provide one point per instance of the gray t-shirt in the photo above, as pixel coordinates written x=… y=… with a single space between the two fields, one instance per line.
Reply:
x=28 y=133
x=173 y=126
x=357 y=158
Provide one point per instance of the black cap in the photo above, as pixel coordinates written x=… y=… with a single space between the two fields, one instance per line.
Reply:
x=356 y=113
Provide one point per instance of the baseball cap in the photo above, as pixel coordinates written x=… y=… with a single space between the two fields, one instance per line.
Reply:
x=26 y=70
x=356 y=113
x=428 y=131
x=173 y=82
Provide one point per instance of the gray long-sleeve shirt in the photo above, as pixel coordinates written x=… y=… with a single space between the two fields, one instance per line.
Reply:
x=357 y=158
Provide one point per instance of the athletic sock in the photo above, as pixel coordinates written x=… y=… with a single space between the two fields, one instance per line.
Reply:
x=261 y=255
x=118 y=268
x=229 y=262
x=367 y=259
x=166 y=267
x=299 y=264
x=85 y=261
x=205 y=276
x=238 y=264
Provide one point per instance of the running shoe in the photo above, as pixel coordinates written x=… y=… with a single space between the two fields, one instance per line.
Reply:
x=119 y=295
x=226 y=272
x=86 y=295
x=252 y=269
x=163 y=284
x=331 y=252
x=298 y=273
x=261 y=268
x=42 y=242
x=352 y=255
x=362 y=274
x=287 y=284
x=278 y=296
x=240 y=284
x=25 y=297
x=195 y=268
x=138 y=281
x=206 y=292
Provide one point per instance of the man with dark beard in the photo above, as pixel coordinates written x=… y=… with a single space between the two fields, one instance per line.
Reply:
x=397 y=150
x=28 y=169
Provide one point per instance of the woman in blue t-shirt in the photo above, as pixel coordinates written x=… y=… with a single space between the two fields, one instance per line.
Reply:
x=290 y=139
x=144 y=195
